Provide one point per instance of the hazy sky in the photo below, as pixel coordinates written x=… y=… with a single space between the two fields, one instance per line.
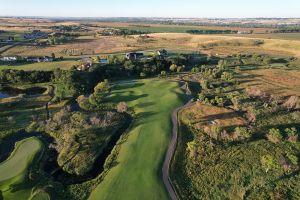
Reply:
x=151 y=8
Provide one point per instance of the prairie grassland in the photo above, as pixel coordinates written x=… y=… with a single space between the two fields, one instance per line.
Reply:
x=280 y=81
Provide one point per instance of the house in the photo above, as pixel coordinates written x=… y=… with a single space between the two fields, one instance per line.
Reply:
x=134 y=56
x=162 y=52
x=87 y=60
x=84 y=67
x=9 y=59
x=243 y=32
x=34 y=35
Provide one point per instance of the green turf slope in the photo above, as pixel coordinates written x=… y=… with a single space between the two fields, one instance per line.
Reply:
x=13 y=171
x=138 y=172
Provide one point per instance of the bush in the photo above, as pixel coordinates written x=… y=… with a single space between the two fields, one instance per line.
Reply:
x=274 y=135
x=291 y=134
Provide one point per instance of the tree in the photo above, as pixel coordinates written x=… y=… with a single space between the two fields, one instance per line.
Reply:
x=222 y=64
x=173 y=67
x=100 y=92
x=180 y=69
x=195 y=70
x=219 y=101
x=122 y=107
x=101 y=87
x=274 y=135
x=204 y=84
x=201 y=96
x=129 y=66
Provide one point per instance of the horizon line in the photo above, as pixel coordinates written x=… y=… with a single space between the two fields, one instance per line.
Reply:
x=137 y=17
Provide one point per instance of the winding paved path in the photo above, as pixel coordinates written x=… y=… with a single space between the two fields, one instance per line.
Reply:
x=171 y=148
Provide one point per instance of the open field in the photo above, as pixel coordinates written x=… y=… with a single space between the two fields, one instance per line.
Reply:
x=13 y=171
x=138 y=172
x=281 y=36
x=164 y=28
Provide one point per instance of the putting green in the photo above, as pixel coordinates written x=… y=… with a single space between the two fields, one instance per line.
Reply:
x=138 y=172
x=13 y=171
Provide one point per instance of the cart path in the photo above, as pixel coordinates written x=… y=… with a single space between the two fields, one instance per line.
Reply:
x=171 y=148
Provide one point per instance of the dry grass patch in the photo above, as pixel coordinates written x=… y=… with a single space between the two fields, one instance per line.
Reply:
x=204 y=116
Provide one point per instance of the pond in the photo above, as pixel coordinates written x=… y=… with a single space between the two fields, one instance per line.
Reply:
x=6 y=92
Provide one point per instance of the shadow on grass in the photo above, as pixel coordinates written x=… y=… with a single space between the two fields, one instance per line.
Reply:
x=119 y=98
x=143 y=117
x=144 y=105
x=127 y=85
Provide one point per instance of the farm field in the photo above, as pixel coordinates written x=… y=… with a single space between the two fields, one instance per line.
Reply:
x=211 y=44
x=13 y=171
x=281 y=36
x=138 y=172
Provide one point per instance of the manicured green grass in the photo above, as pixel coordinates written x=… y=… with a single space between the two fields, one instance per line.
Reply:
x=137 y=174
x=13 y=171
x=46 y=66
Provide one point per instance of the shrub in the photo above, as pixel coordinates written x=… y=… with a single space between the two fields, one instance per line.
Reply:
x=226 y=76
x=291 y=103
x=274 y=135
x=163 y=73
x=122 y=107
x=292 y=134
x=267 y=162
x=242 y=133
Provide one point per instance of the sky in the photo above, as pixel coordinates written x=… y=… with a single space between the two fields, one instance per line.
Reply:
x=152 y=8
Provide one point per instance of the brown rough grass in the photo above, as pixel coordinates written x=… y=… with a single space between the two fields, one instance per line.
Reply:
x=279 y=82
x=206 y=116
